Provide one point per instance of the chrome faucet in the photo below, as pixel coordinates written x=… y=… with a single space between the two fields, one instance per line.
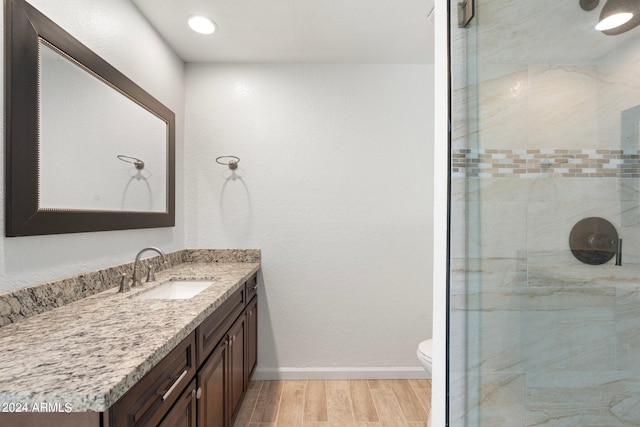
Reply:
x=136 y=271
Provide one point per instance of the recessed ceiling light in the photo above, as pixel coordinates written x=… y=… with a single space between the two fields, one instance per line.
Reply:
x=201 y=24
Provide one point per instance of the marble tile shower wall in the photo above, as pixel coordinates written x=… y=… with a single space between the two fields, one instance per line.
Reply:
x=538 y=338
x=542 y=339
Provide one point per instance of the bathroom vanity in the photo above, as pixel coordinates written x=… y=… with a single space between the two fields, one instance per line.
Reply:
x=77 y=352
x=120 y=359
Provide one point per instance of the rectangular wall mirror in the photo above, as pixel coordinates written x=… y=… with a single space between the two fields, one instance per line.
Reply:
x=86 y=148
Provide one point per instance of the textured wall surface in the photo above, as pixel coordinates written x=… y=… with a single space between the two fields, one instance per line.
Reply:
x=334 y=186
x=116 y=31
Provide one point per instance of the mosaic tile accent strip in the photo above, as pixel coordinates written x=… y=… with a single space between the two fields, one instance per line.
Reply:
x=22 y=303
x=524 y=163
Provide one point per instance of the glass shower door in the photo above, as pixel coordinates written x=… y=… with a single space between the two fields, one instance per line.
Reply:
x=545 y=133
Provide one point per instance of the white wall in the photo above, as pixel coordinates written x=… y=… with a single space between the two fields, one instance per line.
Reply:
x=117 y=32
x=335 y=186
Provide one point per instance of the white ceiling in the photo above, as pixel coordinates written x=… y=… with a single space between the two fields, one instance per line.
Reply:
x=295 y=31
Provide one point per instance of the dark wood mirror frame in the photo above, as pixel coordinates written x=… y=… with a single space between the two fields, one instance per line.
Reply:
x=24 y=25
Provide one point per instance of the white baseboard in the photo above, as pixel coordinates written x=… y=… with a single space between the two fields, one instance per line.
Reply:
x=339 y=374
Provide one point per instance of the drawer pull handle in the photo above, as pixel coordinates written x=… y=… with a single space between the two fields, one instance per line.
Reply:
x=174 y=385
x=254 y=287
x=199 y=393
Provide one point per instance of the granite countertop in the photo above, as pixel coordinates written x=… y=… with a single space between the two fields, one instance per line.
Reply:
x=87 y=354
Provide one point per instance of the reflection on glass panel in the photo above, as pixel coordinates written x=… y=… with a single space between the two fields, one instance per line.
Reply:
x=545 y=118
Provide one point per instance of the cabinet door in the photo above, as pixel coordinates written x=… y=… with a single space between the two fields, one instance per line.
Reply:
x=251 y=345
x=212 y=388
x=183 y=412
x=236 y=364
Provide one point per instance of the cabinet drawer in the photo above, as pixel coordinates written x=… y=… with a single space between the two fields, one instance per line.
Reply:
x=183 y=413
x=214 y=327
x=251 y=287
x=146 y=403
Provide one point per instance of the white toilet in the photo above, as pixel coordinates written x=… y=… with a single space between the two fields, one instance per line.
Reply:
x=425 y=352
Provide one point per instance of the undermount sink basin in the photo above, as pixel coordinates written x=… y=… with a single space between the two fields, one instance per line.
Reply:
x=176 y=289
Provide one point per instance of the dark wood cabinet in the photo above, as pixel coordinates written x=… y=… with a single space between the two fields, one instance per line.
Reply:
x=221 y=379
x=200 y=383
x=183 y=412
x=216 y=326
x=224 y=375
x=236 y=365
x=212 y=389
x=219 y=356
x=251 y=287
x=147 y=402
x=251 y=343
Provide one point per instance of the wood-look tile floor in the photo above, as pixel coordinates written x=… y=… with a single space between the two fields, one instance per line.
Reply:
x=355 y=403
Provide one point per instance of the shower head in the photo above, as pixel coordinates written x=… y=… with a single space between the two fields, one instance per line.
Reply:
x=626 y=12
